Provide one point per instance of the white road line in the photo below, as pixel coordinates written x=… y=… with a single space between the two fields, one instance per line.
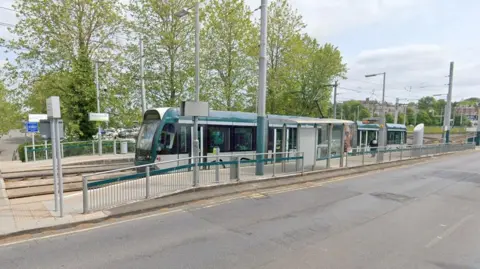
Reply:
x=92 y=228
x=448 y=231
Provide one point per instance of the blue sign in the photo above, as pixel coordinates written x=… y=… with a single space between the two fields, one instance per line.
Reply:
x=32 y=127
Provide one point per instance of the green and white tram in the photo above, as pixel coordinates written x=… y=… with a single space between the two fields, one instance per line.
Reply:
x=165 y=135
x=368 y=130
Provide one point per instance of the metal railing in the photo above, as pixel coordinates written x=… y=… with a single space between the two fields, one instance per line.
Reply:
x=148 y=181
x=153 y=180
x=78 y=148
x=365 y=156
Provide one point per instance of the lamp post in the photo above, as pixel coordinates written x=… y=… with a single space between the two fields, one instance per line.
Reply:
x=262 y=85
x=180 y=14
x=382 y=131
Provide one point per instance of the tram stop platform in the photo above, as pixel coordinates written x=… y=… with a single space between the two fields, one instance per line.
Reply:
x=76 y=161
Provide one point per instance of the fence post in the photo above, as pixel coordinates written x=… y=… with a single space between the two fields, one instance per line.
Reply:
x=274 y=161
x=85 y=194
x=363 y=156
x=147 y=182
x=217 y=166
x=26 y=155
x=303 y=162
x=238 y=168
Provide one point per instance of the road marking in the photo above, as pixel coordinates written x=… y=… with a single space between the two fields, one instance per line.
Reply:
x=92 y=228
x=448 y=231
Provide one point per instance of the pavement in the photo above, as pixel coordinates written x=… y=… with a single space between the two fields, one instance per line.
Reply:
x=422 y=216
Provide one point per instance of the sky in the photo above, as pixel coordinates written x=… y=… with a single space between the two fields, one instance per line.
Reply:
x=413 y=41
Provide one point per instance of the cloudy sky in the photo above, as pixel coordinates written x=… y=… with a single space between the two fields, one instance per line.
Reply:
x=413 y=41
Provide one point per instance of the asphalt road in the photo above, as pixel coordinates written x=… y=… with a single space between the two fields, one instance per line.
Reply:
x=9 y=143
x=423 y=216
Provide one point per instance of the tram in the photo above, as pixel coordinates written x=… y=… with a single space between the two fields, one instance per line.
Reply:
x=165 y=135
x=368 y=129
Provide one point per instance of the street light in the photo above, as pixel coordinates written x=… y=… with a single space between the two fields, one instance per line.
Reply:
x=382 y=133
x=180 y=14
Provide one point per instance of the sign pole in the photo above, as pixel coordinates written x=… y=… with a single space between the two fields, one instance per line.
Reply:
x=59 y=166
x=33 y=146
x=54 y=162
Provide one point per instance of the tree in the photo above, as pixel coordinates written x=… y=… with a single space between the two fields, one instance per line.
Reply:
x=169 y=50
x=350 y=109
x=56 y=44
x=427 y=103
x=230 y=54
x=424 y=117
x=389 y=118
x=11 y=116
x=284 y=36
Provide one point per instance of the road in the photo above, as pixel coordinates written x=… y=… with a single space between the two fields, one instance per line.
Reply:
x=9 y=143
x=423 y=216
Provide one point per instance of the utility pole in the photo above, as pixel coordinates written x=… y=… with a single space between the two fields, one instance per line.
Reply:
x=335 y=99
x=142 y=75
x=396 y=111
x=446 y=119
x=97 y=84
x=261 y=114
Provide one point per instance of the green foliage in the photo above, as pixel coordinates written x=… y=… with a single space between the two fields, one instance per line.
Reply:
x=56 y=44
x=349 y=109
x=10 y=116
x=229 y=47
x=389 y=118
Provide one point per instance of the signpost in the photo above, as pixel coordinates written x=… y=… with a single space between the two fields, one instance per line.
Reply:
x=54 y=115
x=99 y=117
x=32 y=127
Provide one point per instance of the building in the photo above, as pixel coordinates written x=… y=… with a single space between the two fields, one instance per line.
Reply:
x=375 y=107
x=468 y=112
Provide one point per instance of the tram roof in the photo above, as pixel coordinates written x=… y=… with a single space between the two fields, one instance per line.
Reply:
x=236 y=116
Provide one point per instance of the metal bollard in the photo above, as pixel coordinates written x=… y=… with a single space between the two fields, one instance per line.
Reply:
x=147 y=182
x=346 y=159
x=303 y=165
x=115 y=146
x=93 y=147
x=46 y=150
x=363 y=157
x=61 y=147
x=390 y=156
x=401 y=153
x=85 y=194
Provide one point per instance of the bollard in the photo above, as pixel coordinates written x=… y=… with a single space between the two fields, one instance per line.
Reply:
x=147 y=182
x=390 y=156
x=274 y=161
x=115 y=146
x=85 y=194
x=346 y=160
x=401 y=153
x=303 y=164
x=61 y=147
x=93 y=147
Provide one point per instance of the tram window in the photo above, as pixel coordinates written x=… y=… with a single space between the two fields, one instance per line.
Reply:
x=243 y=139
x=167 y=138
x=292 y=139
x=218 y=137
x=183 y=139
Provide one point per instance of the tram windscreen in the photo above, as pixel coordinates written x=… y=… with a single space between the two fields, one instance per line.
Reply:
x=146 y=134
